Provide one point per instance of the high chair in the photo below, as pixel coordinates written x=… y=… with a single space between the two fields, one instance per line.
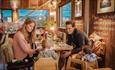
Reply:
x=45 y=64
x=84 y=65
x=69 y=66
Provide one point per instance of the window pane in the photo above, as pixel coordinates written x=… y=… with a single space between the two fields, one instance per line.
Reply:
x=65 y=14
x=40 y=16
x=7 y=15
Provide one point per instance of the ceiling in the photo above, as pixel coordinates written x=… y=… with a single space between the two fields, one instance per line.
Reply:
x=26 y=4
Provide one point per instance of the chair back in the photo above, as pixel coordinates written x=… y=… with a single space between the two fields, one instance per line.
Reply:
x=6 y=49
x=2 y=39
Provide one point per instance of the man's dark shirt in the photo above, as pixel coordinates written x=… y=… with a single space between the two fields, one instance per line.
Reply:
x=77 y=39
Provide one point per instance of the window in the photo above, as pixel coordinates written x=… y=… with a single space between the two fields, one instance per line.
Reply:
x=65 y=14
x=7 y=15
x=40 y=16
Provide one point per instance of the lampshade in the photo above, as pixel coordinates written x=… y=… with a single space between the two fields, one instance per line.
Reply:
x=14 y=4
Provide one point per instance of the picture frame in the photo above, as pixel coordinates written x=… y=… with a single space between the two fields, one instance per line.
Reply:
x=105 y=6
x=78 y=8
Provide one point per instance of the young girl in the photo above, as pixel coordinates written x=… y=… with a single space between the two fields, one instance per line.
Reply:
x=47 y=51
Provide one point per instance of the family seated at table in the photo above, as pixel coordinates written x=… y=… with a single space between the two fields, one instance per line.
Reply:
x=25 y=37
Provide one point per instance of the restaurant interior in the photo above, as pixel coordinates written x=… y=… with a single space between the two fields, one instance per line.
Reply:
x=47 y=44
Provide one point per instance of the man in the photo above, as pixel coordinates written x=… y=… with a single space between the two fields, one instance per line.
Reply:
x=74 y=38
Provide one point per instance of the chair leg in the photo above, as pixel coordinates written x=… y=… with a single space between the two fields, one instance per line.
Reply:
x=28 y=68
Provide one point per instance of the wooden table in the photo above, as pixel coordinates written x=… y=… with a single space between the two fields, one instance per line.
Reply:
x=63 y=48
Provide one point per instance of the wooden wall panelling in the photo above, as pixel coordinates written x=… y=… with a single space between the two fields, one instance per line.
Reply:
x=33 y=4
x=63 y=2
x=6 y=4
x=91 y=15
x=24 y=4
x=79 y=21
x=86 y=16
x=0 y=4
x=104 y=25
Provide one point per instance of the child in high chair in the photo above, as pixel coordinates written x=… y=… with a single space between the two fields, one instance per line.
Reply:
x=47 y=51
x=88 y=55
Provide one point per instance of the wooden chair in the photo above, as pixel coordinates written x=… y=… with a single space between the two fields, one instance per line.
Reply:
x=2 y=39
x=6 y=49
x=83 y=64
x=45 y=64
x=103 y=69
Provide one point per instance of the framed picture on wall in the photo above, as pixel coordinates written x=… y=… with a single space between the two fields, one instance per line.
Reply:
x=105 y=6
x=78 y=8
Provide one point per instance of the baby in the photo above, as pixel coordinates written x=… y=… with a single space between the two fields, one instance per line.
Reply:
x=88 y=55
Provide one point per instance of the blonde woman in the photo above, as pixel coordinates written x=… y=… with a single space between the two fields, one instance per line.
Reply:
x=22 y=40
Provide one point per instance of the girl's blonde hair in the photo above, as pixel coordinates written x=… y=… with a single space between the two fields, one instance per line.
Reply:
x=46 y=44
x=28 y=36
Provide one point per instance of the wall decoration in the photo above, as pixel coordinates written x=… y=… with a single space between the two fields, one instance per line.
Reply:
x=78 y=8
x=105 y=6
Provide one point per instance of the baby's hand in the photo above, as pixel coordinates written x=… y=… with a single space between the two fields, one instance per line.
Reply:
x=39 y=49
